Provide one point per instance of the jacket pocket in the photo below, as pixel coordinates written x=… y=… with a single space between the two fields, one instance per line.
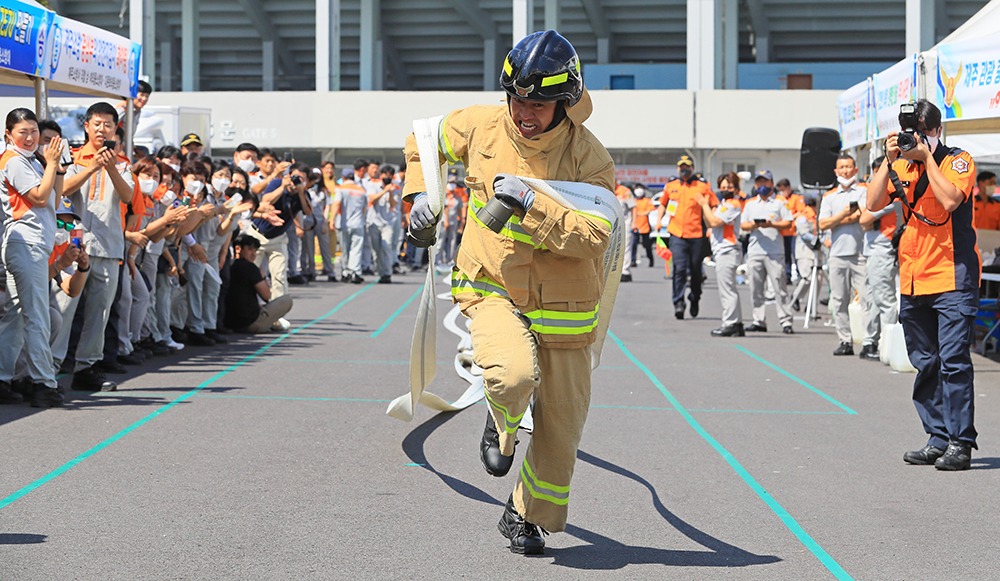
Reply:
x=568 y=313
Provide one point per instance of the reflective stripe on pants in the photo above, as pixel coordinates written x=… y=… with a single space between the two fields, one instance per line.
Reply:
x=515 y=368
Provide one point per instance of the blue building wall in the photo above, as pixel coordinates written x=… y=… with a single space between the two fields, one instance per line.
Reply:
x=758 y=76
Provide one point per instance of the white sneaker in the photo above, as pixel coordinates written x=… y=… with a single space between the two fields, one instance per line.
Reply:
x=281 y=325
x=174 y=345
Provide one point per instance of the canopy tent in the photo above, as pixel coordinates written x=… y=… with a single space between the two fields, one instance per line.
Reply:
x=43 y=50
x=961 y=74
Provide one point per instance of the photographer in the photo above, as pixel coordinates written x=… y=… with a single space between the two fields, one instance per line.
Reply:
x=939 y=269
x=288 y=196
x=839 y=214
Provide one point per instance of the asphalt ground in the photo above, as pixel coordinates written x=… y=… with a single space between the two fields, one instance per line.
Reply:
x=762 y=457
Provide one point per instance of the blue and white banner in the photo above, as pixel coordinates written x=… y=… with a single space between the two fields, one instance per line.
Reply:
x=92 y=58
x=24 y=30
x=968 y=78
x=890 y=89
x=853 y=106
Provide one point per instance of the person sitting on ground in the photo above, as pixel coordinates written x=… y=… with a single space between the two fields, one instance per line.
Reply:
x=243 y=313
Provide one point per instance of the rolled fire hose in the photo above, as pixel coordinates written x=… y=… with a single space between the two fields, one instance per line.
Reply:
x=582 y=198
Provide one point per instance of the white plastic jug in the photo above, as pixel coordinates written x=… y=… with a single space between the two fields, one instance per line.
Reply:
x=898 y=358
x=885 y=344
x=857 y=315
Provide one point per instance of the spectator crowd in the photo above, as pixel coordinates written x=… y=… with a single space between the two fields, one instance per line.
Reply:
x=112 y=257
x=775 y=240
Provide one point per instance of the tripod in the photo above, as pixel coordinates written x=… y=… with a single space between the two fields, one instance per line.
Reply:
x=812 y=281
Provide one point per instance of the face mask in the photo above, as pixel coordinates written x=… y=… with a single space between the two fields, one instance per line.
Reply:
x=246 y=165
x=932 y=143
x=726 y=194
x=989 y=190
x=686 y=173
x=174 y=167
x=245 y=216
x=24 y=152
x=762 y=191
x=846 y=182
x=148 y=186
x=451 y=187
x=640 y=193
x=168 y=198
x=62 y=237
x=194 y=187
x=220 y=184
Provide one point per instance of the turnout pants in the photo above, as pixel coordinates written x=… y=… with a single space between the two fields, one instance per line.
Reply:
x=725 y=275
x=26 y=321
x=846 y=272
x=880 y=294
x=760 y=268
x=688 y=256
x=515 y=368
x=939 y=333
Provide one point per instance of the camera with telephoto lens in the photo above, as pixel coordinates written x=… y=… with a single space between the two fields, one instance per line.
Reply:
x=908 y=138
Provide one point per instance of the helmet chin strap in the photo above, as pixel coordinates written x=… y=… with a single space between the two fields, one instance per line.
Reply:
x=559 y=115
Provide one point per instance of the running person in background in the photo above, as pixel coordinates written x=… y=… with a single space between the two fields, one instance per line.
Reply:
x=640 y=223
x=687 y=231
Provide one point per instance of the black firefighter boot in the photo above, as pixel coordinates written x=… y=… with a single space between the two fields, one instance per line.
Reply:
x=494 y=462
x=525 y=538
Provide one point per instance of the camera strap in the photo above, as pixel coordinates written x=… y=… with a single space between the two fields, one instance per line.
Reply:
x=918 y=191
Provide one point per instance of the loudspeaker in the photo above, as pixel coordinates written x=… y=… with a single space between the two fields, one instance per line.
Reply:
x=818 y=158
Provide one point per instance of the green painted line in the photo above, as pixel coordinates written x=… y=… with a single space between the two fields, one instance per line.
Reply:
x=398 y=311
x=796 y=529
x=136 y=425
x=797 y=380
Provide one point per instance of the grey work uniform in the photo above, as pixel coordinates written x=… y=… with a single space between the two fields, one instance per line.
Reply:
x=847 y=265
x=319 y=233
x=881 y=270
x=29 y=235
x=727 y=254
x=766 y=257
x=353 y=207
x=99 y=206
x=379 y=226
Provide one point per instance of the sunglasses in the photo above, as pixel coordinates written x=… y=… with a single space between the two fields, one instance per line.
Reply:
x=67 y=226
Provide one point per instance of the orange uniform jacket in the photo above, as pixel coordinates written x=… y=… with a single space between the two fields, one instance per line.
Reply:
x=686 y=220
x=795 y=204
x=643 y=206
x=937 y=259
x=986 y=214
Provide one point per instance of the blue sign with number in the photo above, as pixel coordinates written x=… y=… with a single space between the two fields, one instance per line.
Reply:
x=24 y=31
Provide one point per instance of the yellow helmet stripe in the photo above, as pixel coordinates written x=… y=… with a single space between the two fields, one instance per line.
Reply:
x=555 y=80
x=507 y=68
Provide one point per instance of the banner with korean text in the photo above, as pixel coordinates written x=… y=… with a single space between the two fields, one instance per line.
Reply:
x=24 y=31
x=854 y=106
x=968 y=78
x=91 y=58
x=890 y=89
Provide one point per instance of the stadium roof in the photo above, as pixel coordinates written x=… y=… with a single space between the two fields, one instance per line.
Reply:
x=439 y=44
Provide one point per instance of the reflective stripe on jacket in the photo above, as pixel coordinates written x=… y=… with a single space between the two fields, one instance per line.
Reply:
x=550 y=260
